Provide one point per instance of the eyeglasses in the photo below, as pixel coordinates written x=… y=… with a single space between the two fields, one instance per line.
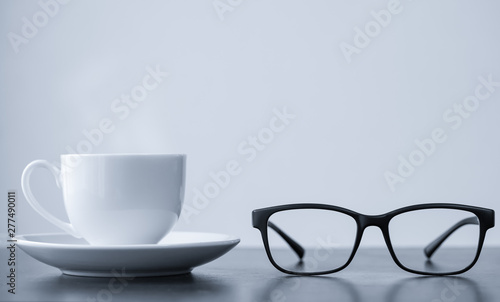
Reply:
x=427 y=239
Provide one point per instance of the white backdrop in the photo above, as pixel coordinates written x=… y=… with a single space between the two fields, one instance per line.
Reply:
x=314 y=101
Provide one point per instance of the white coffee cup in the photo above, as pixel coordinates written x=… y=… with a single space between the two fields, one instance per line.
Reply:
x=116 y=199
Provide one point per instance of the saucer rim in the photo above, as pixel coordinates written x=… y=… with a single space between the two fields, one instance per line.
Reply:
x=22 y=240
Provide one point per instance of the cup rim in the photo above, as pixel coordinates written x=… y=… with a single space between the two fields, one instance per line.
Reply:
x=125 y=155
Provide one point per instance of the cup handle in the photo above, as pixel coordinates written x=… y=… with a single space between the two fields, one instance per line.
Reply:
x=25 y=184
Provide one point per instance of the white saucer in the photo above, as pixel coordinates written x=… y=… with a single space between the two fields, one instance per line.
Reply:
x=177 y=253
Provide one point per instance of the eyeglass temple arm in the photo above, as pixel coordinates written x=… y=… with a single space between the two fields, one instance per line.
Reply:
x=434 y=245
x=297 y=248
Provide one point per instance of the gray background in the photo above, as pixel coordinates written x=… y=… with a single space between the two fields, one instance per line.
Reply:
x=227 y=75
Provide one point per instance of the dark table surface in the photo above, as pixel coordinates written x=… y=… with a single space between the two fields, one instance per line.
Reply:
x=247 y=275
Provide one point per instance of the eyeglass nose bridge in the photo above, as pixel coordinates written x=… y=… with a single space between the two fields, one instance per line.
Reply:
x=379 y=221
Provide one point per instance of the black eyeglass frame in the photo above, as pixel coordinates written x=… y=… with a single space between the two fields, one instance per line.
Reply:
x=260 y=219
